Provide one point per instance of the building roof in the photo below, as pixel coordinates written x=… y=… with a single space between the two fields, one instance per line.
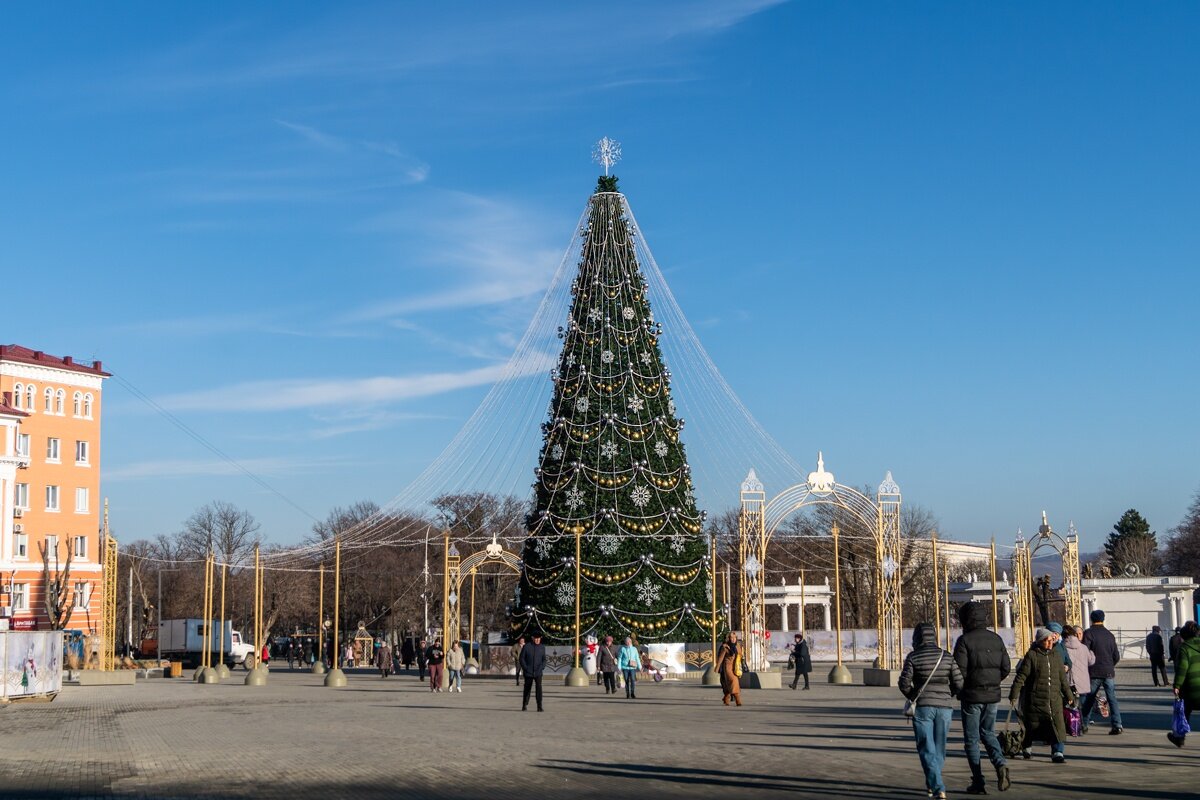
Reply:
x=8 y=411
x=23 y=355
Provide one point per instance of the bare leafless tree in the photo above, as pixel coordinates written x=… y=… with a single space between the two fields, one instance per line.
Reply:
x=58 y=595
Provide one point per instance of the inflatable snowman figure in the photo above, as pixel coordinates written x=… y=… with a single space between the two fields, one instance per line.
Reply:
x=589 y=654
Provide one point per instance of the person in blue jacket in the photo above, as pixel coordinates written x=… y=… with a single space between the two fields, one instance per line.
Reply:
x=629 y=662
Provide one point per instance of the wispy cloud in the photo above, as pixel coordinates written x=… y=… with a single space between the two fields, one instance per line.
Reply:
x=490 y=251
x=293 y=394
x=193 y=468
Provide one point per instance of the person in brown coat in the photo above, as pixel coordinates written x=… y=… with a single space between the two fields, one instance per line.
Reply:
x=1040 y=691
x=729 y=667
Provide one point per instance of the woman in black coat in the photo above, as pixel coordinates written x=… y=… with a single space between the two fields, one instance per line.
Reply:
x=802 y=659
x=1041 y=691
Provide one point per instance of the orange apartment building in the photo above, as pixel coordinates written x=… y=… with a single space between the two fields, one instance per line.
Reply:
x=49 y=485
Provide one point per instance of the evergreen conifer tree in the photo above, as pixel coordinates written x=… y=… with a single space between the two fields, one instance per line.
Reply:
x=612 y=467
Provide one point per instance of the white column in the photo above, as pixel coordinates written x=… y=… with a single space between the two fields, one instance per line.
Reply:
x=1008 y=613
x=783 y=617
x=828 y=620
x=1174 y=611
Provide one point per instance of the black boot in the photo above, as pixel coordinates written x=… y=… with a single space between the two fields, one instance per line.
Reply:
x=977 y=785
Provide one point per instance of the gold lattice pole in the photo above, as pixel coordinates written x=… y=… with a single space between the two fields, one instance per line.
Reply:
x=995 y=600
x=891 y=595
x=1022 y=596
x=1072 y=584
x=937 y=595
x=108 y=646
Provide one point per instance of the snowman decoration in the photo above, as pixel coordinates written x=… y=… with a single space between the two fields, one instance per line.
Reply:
x=590 y=654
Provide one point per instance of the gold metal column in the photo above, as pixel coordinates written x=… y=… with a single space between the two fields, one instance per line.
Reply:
x=471 y=632
x=1072 y=583
x=336 y=677
x=1022 y=588
x=995 y=600
x=108 y=640
x=839 y=674
x=937 y=600
x=891 y=594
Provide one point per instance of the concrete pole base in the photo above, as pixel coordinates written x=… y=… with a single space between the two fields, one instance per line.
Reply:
x=711 y=677
x=222 y=671
x=840 y=675
x=577 y=677
x=208 y=675
x=318 y=668
x=256 y=677
x=335 y=678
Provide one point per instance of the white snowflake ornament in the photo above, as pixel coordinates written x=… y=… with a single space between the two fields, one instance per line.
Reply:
x=640 y=496
x=564 y=593
x=607 y=357
x=660 y=448
x=609 y=544
x=594 y=314
x=581 y=404
x=609 y=449
x=574 y=498
x=648 y=592
x=636 y=403
x=556 y=452
x=645 y=359
x=628 y=312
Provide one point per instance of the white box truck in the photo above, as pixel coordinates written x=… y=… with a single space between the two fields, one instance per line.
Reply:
x=183 y=640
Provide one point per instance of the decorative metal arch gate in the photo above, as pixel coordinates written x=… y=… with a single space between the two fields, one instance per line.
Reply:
x=757 y=523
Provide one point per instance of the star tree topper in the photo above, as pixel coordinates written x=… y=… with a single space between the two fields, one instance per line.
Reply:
x=606 y=153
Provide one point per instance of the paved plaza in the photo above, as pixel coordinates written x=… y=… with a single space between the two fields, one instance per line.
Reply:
x=394 y=739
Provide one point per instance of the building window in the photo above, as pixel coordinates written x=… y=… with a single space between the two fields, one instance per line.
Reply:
x=30 y=393
x=81 y=452
x=23 y=445
x=21 y=496
x=18 y=395
x=51 y=498
x=81 y=547
x=21 y=545
x=53 y=448
x=49 y=395
x=77 y=404
x=83 y=595
x=87 y=406
x=20 y=596
x=81 y=500
x=60 y=401
x=51 y=546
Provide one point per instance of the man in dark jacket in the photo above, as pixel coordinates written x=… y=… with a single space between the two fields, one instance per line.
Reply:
x=533 y=664
x=982 y=659
x=802 y=659
x=1156 y=651
x=1173 y=649
x=1103 y=645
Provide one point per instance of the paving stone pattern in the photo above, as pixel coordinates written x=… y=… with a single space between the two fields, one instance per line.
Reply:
x=394 y=739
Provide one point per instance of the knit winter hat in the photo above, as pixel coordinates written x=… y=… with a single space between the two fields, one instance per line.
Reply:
x=1041 y=635
x=1097 y=616
x=1054 y=627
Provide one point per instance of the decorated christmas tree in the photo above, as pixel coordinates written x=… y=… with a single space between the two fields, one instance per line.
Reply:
x=613 y=473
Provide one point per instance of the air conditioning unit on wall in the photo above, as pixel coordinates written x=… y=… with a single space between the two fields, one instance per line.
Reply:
x=18 y=512
x=18 y=528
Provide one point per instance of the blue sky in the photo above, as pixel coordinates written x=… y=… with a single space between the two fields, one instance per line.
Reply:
x=957 y=241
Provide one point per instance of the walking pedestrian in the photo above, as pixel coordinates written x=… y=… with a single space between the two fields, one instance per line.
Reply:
x=383 y=659
x=515 y=651
x=1056 y=629
x=930 y=679
x=802 y=659
x=729 y=667
x=1081 y=659
x=1173 y=649
x=266 y=655
x=606 y=660
x=629 y=662
x=422 y=655
x=1156 y=651
x=982 y=658
x=1103 y=671
x=406 y=652
x=1187 y=674
x=533 y=665
x=435 y=657
x=1040 y=692
x=456 y=661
